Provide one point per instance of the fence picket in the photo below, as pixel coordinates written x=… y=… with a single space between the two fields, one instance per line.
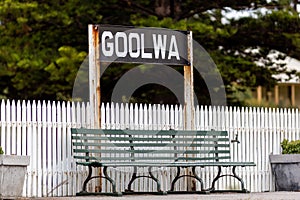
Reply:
x=42 y=130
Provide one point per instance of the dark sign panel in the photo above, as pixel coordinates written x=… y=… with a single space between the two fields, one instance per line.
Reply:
x=143 y=45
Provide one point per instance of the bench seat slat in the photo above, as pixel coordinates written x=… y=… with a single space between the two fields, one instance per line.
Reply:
x=151 y=151
x=148 y=132
x=148 y=144
x=112 y=159
x=167 y=164
x=109 y=138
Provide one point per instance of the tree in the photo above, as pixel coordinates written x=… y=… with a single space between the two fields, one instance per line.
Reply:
x=34 y=35
x=42 y=43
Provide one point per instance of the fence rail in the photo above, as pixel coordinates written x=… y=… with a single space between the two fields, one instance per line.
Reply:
x=42 y=130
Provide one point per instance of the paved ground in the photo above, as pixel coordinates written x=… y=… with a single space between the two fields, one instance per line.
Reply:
x=226 y=196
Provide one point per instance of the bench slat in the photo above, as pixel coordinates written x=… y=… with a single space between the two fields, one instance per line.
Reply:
x=151 y=151
x=148 y=144
x=167 y=164
x=109 y=138
x=149 y=158
x=148 y=132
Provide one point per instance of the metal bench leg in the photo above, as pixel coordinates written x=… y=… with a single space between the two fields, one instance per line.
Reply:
x=234 y=175
x=155 y=179
x=150 y=176
x=106 y=176
x=133 y=177
x=178 y=176
x=198 y=178
x=240 y=179
x=88 y=178
x=212 y=188
x=113 y=183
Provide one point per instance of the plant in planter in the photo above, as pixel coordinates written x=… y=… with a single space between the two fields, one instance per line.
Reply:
x=12 y=173
x=286 y=166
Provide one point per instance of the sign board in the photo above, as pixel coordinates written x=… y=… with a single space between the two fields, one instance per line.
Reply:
x=143 y=45
x=109 y=43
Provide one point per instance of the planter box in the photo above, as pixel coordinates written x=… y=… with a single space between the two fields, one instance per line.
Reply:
x=12 y=175
x=286 y=170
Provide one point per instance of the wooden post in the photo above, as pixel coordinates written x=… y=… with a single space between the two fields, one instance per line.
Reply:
x=94 y=82
x=276 y=91
x=259 y=94
x=94 y=76
x=189 y=109
x=293 y=100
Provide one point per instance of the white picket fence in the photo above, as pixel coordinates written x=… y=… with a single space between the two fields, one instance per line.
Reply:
x=42 y=130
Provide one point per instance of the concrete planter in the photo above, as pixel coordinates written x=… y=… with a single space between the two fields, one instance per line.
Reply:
x=12 y=175
x=286 y=170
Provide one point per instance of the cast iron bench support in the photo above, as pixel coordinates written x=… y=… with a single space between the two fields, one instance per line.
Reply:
x=234 y=175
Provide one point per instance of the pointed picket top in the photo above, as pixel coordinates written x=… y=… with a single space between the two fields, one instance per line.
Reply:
x=163 y=117
x=88 y=116
x=135 y=116
x=275 y=118
x=107 y=116
x=84 y=114
x=18 y=113
x=205 y=117
x=262 y=119
x=285 y=121
x=117 y=116
x=3 y=113
x=154 y=117
x=292 y=117
x=78 y=114
x=122 y=116
x=59 y=112
x=221 y=118
x=269 y=118
x=131 y=117
x=103 y=116
x=29 y=113
x=167 y=117
x=54 y=114
x=23 y=112
x=197 y=118
x=126 y=116
x=171 y=117
x=112 y=116
x=68 y=114
x=212 y=118
x=13 y=112
x=176 y=117
x=150 y=117
x=225 y=125
x=297 y=122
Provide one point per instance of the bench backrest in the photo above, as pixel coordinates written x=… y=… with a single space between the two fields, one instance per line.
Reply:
x=165 y=146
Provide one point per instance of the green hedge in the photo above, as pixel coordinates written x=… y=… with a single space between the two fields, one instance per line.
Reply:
x=292 y=147
x=1 y=151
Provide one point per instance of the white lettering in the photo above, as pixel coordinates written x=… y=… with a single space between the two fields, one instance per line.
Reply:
x=173 y=52
x=107 y=47
x=144 y=54
x=159 y=46
x=134 y=36
x=133 y=46
x=123 y=37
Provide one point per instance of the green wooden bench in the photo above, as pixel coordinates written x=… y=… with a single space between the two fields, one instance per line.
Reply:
x=149 y=149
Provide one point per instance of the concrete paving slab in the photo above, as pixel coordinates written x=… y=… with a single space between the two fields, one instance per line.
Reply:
x=216 y=196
